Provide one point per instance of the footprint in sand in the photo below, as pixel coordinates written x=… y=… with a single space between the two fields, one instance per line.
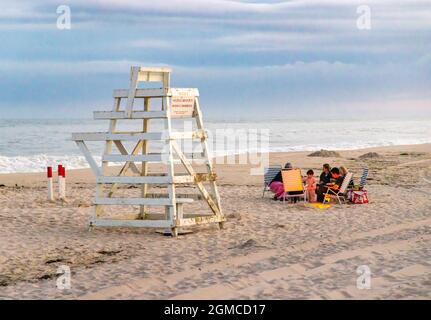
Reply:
x=250 y=243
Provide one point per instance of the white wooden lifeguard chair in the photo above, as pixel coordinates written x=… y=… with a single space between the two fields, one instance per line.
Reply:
x=175 y=103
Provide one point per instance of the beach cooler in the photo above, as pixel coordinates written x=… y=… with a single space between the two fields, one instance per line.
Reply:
x=358 y=196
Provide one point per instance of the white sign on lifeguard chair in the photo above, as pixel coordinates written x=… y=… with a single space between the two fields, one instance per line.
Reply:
x=175 y=103
x=183 y=102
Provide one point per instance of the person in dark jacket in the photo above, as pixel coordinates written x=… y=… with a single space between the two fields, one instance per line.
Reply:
x=325 y=178
x=335 y=184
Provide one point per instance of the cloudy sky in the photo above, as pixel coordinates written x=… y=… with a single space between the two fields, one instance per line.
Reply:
x=249 y=58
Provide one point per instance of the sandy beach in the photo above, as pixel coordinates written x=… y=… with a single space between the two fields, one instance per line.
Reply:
x=267 y=249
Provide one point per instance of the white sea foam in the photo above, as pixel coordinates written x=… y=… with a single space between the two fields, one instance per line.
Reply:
x=39 y=162
x=32 y=145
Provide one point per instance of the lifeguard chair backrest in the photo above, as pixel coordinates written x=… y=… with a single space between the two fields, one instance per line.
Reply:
x=154 y=74
x=292 y=180
x=147 y=74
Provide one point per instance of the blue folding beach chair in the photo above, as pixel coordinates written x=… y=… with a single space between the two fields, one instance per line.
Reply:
x=269 y=174
x=364 y=177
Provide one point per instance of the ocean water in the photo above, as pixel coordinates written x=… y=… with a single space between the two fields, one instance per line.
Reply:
x=31 y=145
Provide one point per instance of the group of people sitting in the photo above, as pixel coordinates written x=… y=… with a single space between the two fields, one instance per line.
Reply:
x=329 y=178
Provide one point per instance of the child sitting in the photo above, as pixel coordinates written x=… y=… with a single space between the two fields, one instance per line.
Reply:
x=310 y=184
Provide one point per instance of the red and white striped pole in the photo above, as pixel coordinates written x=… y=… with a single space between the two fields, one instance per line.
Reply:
x=50 y=184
